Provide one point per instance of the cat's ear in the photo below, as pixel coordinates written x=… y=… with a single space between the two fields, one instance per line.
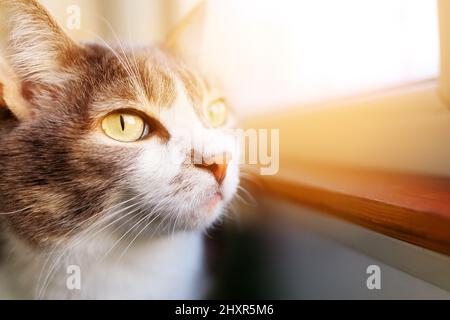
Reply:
x=11 y=96
x=35 y=51
x=187 y=39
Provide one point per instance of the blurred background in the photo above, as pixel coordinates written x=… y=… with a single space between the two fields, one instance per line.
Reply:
x=350 y=83
x=288 y=53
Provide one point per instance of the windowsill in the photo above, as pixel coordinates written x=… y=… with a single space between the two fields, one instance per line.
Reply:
x=409 y=207
x=401 y=134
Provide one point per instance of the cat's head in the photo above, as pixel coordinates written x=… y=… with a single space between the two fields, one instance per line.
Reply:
x=131 y=138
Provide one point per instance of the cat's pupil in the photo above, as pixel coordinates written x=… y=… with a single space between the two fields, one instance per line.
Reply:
x=122 y=123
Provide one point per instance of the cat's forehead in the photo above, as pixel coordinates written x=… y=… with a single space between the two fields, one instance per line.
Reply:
x=147 y=79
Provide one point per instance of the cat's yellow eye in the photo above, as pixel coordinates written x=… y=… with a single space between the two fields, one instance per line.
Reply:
x=124 y=127
x=217 y=113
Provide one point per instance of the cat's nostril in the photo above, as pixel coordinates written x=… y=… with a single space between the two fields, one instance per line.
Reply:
x=217 y=166
x=219 y=171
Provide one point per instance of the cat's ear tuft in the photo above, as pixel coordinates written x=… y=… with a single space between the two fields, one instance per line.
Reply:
x=35 y=51
x=187 y=39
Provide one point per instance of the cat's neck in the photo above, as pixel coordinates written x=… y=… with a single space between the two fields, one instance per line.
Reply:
x=169 y=267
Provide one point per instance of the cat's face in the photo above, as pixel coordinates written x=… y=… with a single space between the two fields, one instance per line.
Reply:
x=123 y=139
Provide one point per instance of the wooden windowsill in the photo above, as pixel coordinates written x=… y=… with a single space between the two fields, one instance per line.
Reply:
x=403 y=130
x=412 y=208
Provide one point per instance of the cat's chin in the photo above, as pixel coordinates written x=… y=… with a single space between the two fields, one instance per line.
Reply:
x=203 y=216
x=207 y=213
x=213 y=202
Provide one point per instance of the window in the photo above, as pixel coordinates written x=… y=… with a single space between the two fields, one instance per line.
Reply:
x=289 y=53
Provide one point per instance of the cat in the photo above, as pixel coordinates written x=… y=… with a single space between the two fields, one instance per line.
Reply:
x=99 y=196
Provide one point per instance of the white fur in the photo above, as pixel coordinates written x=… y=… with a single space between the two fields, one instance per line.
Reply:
x=165 y=268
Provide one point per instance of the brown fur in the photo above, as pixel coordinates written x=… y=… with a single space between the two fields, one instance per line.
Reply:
x=2 y=101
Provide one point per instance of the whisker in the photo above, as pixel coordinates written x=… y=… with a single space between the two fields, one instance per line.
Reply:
x=253 y=202
x=138 y=234
x=15 y=211
x=137 y=224
x=133 y=72
x=78 y=242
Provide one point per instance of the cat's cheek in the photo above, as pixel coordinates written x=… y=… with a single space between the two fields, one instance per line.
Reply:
x=156 y=164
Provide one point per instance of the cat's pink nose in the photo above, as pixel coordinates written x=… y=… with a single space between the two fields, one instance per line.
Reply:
x=217 y=165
